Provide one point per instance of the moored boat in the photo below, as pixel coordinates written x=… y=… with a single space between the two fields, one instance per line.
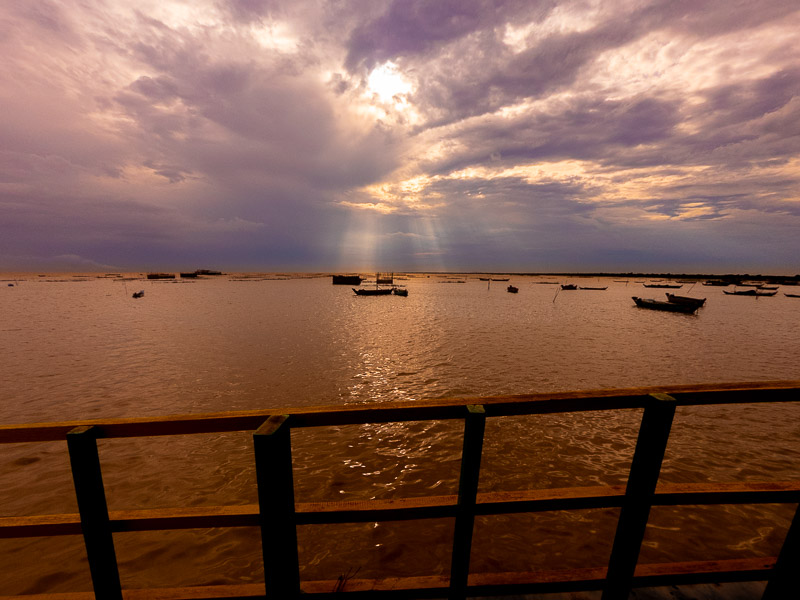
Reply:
x=347 y=279
x=749 y=292
x=791 y=295
x=675 y=299
x=161 y=275
x=512 y=289
x=665 y=306
x=592 y=288
x=373 y=291
x=663 y=285
x=569 y=286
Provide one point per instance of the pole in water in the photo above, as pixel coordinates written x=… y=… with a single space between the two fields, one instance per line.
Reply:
x=556 y=296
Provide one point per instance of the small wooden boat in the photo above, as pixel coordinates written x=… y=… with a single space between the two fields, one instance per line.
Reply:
x=161 y=275
x=675 y=299
x=373 y=291
x=512 y=290
x=569 y=286
x=138 y=294
x=791 y=295
x=750 y=292
x=663 y=285
x=666 y=306
x=400 y=292
x=347 y=279
x=592 y=288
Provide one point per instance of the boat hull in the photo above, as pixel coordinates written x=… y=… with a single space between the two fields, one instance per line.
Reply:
x=665 y=306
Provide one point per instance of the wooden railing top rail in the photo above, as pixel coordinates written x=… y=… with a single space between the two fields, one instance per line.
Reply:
x=420 y=410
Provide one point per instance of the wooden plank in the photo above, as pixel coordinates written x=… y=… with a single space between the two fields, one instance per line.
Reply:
x=88 y=479
x=784 y=582
x=474 y=427
x=751 y=569
x=445 y=408
x=645 y=467
x=402 y=509
x=273 y=454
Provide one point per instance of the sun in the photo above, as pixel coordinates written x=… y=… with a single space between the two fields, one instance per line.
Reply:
x=387 y=82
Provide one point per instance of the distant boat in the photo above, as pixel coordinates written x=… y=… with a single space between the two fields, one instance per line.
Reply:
x=161 y=275
x=400 y=292
x=569 y=286
x=698 y=302
x=191 y=275
x=716 y=283
x=592 y=288
x=791 y=295
x=750 y=292
x=500 y=278
x=512 y=290
x=666 y=306
x=663 y=285
x=138 y=294
x=347 y=279
x=768 y=287
x=373 y=291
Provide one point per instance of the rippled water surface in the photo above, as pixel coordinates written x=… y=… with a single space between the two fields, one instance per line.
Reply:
x=83 y=348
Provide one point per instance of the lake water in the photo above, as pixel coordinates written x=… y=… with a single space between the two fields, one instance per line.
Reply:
x=75 y=348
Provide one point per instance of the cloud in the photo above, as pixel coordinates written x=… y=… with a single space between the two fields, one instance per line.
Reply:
x=246 y=131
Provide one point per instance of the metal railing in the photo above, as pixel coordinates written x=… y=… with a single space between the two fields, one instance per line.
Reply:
x=278 y=515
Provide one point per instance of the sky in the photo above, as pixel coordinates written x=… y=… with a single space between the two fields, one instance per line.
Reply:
x=405 y=135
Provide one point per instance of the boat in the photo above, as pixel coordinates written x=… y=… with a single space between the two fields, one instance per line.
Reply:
x=347 y=279
x=161 y=275
x=661 y=305
x=569 y=286
x=500 y=278
x=663 y=285
x=400 y=291
x=592 y=288
x=791 y=295
x=750 y=292
x=768 y=287
x=373 y=291
x=138 y=294
x=716 y=283
x=675 y=299
x=512 y=289
x=189 y=275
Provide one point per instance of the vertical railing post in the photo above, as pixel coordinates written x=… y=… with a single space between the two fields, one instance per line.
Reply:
x=474 y=426
x=645 y=468
x=784 y=581
x=95 y=524
x=273 y=453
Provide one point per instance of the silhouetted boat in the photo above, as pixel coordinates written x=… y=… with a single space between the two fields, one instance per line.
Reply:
x=748 y=293
x=569 y=286
x=347 y=279
x=138 y=294
x=373 y=291
x=791 y=295
x=512 y=290
x=716 y=283
x=660 y=305
x=161 y=275
x=698 y=302
x=663 y=285
x=592 y=288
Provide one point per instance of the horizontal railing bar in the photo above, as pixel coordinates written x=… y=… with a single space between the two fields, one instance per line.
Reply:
x=421 y=410
x=398 y=509
x=646 y=575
